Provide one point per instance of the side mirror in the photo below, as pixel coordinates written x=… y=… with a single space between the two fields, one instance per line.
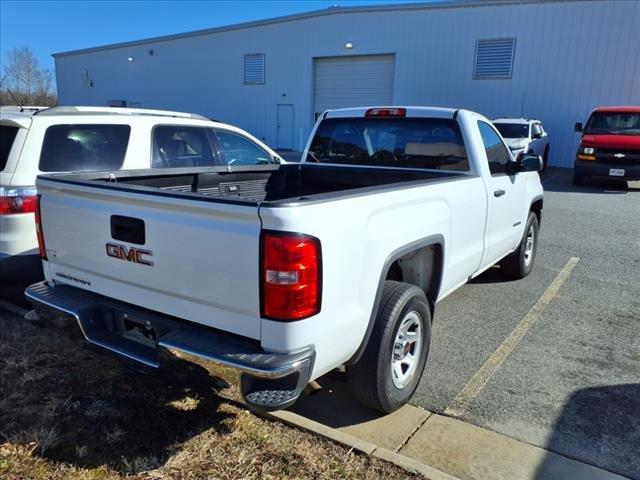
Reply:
x=578 y=127
x=525 y=162
x=536 y=135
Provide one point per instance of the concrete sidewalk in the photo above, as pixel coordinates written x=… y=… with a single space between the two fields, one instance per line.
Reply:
x=433 y=445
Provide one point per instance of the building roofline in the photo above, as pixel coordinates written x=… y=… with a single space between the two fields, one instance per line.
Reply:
x=441 y=4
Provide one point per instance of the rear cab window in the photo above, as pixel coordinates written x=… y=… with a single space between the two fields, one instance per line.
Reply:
x=78 y=148
x=8 y=135
x=423 y=143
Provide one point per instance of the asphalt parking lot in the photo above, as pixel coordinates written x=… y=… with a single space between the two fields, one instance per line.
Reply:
x=572 y=383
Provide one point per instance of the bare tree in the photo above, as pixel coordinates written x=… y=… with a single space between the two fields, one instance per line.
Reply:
x=23 y=80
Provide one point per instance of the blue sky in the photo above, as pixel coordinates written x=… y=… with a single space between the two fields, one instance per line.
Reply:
x=56 y=26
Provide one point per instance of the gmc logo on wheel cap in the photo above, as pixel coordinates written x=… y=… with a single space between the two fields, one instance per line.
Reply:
x=129 y=254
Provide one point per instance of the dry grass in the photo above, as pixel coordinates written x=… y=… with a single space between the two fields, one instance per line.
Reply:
x=69 y=411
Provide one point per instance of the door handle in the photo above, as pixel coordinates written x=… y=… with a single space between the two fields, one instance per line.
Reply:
x=499 y=193
x=128 y=229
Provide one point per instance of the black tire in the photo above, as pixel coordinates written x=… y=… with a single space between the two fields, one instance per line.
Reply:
x=545 y=157
x=370 y=379
x=578 y=179
x=518 y=264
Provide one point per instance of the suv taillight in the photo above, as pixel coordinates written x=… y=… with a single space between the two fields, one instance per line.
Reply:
x=17 y=200
x=38 y=217
x=290 y=275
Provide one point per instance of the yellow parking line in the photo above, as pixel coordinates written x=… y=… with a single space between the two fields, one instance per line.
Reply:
x=461 y=401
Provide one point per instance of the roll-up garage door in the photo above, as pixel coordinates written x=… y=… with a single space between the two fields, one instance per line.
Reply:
x=354 y=81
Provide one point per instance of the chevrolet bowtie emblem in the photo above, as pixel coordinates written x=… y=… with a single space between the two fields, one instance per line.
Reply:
x=619 y=155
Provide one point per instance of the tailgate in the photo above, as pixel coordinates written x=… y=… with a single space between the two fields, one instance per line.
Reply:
x=190 y=258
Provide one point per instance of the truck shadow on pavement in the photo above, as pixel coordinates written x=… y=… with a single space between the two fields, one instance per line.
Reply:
x=334 y=405
x=600 y=426
x=492 y=275
x=82 y=407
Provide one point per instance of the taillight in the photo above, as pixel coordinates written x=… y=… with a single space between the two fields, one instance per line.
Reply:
x=386 y=112
x=38 y=217
x=17 y=200
x=290 y=275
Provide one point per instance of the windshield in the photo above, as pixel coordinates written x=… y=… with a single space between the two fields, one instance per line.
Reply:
x=513 y=130
x=390 y=142
x=613 y=123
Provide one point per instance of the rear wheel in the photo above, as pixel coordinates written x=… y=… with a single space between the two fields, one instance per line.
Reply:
x=520 y=263
x=545 y=157
x=388 y=373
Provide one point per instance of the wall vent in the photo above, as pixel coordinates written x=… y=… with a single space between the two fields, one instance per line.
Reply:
x=494 y=58
x=254 y=69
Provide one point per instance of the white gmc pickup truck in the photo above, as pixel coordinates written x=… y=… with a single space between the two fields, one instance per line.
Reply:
x=289 y=271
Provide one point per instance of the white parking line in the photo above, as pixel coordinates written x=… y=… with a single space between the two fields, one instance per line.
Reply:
x=461 y=401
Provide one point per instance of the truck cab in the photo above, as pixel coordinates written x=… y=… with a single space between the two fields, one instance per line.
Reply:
x=609 y=145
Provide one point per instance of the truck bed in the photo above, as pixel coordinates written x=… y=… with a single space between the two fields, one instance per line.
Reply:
x=281 y=184
x=186 y=242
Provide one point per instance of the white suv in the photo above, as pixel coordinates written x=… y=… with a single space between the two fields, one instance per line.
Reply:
x=524 y=135
x=71 y=139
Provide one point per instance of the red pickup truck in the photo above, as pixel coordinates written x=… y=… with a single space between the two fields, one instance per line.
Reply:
x=610 y=144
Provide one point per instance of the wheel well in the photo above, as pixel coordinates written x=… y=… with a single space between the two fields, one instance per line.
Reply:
x=421 y=267
x=536 y=207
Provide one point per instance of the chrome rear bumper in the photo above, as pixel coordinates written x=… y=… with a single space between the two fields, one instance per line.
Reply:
x=270 y=380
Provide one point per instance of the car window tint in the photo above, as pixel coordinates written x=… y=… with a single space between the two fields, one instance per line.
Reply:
x=433 y=143
x=497 y=154
x=536 y=129
x=613 y=123
x=72 y=148
x=239 y=150
x=180 y=146
x=513 y=130
x=7 y=136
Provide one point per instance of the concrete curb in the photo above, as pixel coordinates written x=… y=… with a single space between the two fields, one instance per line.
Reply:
x=354 y=443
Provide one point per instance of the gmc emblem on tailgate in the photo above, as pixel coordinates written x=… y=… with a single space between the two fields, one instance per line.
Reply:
x=129 y=254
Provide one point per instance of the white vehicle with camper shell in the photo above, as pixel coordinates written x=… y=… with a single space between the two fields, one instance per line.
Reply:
x=289 y=271
x=36 y=140
x=524 y=135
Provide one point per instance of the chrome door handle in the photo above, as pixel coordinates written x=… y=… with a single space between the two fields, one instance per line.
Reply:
x=499 y=193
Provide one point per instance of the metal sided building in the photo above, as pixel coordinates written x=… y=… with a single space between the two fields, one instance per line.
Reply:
x=552 y=60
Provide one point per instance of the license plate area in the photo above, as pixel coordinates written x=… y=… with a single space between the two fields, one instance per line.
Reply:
x=616 y=172
x=130 y=326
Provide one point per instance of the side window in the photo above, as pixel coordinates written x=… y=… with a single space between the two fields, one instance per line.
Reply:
x=497 y=154
x=181 y=146
x=78 y=148
x=238 y=150
x=7 y=136
x=536 y=129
